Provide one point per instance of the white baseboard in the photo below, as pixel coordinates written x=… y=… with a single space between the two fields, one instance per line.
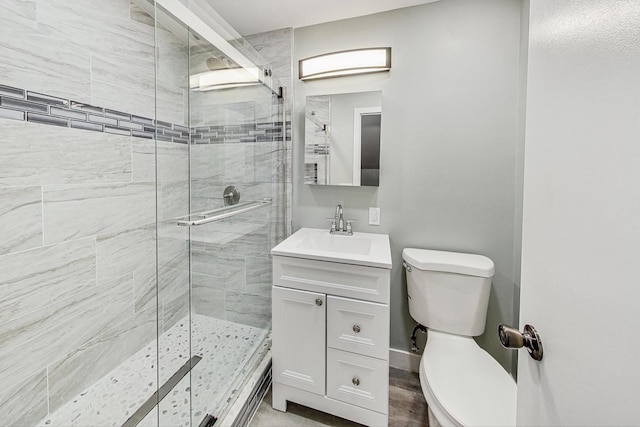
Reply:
x=404 y=360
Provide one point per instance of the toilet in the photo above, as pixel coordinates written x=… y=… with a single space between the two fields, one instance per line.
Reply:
x=462 y=384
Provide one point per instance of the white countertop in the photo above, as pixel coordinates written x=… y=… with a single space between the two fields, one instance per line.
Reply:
x=366 y=249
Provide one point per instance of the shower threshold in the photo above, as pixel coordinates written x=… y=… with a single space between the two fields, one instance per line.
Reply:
x=226 y=349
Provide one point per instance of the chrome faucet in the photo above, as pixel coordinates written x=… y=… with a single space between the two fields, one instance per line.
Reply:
x=338 y=223
x=339 y=218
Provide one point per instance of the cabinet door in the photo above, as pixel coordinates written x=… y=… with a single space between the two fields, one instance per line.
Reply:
x=298 y=346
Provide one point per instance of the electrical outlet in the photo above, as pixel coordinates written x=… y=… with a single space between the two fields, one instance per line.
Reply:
x=374 y=216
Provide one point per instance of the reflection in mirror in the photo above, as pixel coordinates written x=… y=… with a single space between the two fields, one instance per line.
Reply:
x=342 y=139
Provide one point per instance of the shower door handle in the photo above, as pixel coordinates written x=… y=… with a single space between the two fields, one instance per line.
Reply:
x=514 y=339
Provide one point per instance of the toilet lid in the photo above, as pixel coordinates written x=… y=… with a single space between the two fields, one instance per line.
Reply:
x=467 y=382
x=449 y=262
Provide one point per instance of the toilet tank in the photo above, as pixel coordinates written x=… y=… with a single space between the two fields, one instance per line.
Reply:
x=449 y=291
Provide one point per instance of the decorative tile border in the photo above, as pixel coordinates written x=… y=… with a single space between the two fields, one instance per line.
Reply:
x=20 y=104
x=250 y=132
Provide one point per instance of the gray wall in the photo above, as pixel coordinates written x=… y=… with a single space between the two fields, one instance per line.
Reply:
x=449 y=175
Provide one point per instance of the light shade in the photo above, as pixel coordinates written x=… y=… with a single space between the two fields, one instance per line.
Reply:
x=224 y=78
x=345 y=63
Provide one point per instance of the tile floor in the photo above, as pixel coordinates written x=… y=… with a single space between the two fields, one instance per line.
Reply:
x=225 y=348
x=407 y=408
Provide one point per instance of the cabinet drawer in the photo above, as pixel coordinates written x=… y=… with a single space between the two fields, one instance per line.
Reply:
x=358 y=326
x=352 y=281
x=359 y=380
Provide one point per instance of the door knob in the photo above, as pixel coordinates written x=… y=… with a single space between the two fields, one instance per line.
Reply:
x=529 y=339
x=318 y=301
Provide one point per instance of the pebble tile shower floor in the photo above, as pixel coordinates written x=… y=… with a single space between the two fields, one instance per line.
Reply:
x=225 y=348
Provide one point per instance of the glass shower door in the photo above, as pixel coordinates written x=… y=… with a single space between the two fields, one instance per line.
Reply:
x=172 y=177
x=217 y=154
x=235 y=133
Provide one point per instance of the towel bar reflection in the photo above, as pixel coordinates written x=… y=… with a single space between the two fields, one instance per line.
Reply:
x=226 y=212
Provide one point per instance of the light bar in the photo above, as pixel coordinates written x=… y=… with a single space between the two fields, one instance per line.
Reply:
x=345 y=63
x=224 y=78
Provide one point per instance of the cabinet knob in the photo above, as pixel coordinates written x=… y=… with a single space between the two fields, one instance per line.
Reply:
x=356 y=329
x=318 y=301
x=355 y=381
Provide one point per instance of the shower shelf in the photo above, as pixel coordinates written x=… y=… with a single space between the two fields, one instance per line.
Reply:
x=221 y=213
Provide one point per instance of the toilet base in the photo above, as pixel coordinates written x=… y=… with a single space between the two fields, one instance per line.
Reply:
x=475 y=388
x=433 y=422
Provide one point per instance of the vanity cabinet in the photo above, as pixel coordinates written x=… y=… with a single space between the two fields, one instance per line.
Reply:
x=331 y=338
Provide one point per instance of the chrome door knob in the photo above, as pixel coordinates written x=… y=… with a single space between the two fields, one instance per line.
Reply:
x=318 y=301
x=356 y=329
x=356 y=381
x=510 y=337
x=529 y=339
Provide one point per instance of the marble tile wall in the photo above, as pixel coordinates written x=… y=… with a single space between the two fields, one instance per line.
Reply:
x=239 y=139
x=231 y=269
x=79 y=193
x=25 y=403
x=78 y=262
x=87 y=196
x=277 y=47
x=233 y=144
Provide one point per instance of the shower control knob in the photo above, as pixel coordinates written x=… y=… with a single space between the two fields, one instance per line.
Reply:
x=356 y=329
x=318 y=302
x=529 y=339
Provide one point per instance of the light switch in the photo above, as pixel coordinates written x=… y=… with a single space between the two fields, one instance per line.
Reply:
x=374 y=216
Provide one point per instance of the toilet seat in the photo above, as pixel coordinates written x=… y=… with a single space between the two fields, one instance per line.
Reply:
x=464 y=385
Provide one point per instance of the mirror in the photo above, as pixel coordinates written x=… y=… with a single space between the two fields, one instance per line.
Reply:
x=342 y=139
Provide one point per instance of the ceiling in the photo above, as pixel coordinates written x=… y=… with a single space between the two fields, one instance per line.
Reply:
x=257 y=16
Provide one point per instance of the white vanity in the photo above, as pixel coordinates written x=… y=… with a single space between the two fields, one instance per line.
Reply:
x=331 y=324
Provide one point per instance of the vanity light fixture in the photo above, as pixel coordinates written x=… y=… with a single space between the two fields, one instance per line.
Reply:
x=224 y=78
x=345 y=63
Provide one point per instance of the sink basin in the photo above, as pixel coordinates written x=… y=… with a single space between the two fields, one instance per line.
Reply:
x=360 y=249
x=336 y=243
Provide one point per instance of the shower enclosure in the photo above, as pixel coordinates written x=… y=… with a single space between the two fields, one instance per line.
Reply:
x=140 y=193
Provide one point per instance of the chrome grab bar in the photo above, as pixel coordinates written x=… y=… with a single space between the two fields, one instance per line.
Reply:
x=226 y=212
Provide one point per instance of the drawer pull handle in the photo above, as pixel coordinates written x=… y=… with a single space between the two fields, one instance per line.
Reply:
x=356 y=329
x=318 y=301
x=355 y=381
